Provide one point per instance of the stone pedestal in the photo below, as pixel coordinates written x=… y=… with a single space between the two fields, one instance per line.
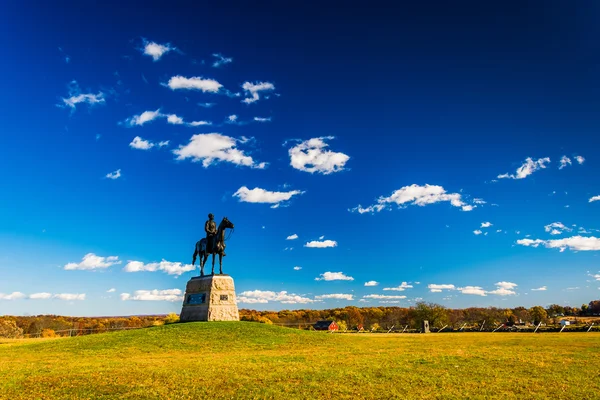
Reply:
x=209 y=298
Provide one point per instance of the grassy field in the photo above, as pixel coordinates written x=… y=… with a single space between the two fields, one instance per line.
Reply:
x=250 y=360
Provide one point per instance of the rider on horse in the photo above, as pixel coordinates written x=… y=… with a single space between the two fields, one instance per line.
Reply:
x=210 y=227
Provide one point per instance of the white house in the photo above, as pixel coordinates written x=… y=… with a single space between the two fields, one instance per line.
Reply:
x=565 y=322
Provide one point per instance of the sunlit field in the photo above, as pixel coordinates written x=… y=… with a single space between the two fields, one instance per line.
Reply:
x=251 y=360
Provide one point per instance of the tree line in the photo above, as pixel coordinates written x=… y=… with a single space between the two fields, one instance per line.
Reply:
x=368 y=318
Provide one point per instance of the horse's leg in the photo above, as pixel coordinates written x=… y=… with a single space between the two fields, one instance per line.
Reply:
x=202 y=264
x=221 y=263
x=213 y=264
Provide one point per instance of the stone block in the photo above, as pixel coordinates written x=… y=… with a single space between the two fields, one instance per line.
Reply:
x=210 y=298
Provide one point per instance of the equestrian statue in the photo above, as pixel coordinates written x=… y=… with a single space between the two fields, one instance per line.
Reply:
x=213 y=243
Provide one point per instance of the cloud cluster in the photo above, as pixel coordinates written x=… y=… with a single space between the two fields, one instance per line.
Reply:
x=154 y=295
x=400 y=288
x=334 y=276
x=113 y=175
x=382 y=297
x=579 y=243
x=416 y=195
x=212 y=148
x=156 y=50
x=173 y=119
x=76 y=97
x=254 y=90
x=258 y=195
x=557 y=228
x=371 y=283
x=142 y=144
x=171 y=268
x=265 y=296
x=313 y=156
x=43 y=296
x=337 y=296
x=528 y=168
x=321 y=244
x=194 y=83
x=221 y=60
x=595 y=198
x=91 y=261
x=502 y=289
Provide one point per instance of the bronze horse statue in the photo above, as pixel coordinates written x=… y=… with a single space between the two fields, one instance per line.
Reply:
x=218 y=247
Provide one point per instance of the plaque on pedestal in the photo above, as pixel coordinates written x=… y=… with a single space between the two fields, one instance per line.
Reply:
x=209 y=298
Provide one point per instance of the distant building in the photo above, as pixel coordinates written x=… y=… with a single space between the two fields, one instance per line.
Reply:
x=565 y=322
x=326 y=326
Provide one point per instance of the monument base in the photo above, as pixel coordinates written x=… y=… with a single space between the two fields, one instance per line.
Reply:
x=209 y=298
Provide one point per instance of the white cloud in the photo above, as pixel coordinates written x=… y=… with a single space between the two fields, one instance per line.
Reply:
x=112 y=290
x=12 y=296
x=254 y=89
x=91 y=261
x=114 y=175
x=155 y=50
x=174 y=119
x=476 y=290
x=564 y=161
x=264 y=296
x=194 y=83
x=580 y=159
x=146 y=116
x=321 y=237
x=436 y=288
x=297 y=268
x=171 y=268
x=382 y=297
x=528 y=168
x=207 y=105
x=40 y=296
x=143 y=144
x=334 y=276
x=88 y=98
x=543 y=288
x=221 y=60
x=292 y=237
x=479 y=201
x=400 y=288
x=232 y=118
x=416 y=195
x=76 y=97
x=200 y=123
x=69 y=296
x=556 y=228
x=580 y=243
x=477 y=232
x=258 y=195
x=312 y=156
x=504 y=289
x=337 y=296
x=486 y=224
x=595 y=198
x=259 y=119
x=371 y=283
x=211 y=148
x=154 y=295
x=596 y=277
x=321 y=244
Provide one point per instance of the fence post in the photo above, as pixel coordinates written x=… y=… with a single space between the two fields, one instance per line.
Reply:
x=404 y=328
x=591 y=326
x=482 y=325
x=442 y=328
x=536 y=328
x=391 y=329
x=463 y=327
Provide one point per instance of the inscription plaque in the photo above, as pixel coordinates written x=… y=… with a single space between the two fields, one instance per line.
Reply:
x=224 y=297
x=196 y=298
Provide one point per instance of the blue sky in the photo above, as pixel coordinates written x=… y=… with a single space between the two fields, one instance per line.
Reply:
x=386 y=139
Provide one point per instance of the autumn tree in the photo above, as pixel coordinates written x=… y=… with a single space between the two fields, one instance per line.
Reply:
x=434 y=313
x=538 y=314
x=9 y=329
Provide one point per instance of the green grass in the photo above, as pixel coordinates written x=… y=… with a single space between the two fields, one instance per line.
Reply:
x=249 y=360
